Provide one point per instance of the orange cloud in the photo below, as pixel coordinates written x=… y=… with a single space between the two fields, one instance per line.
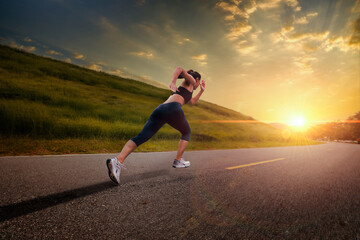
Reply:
x=305 y=19
x=232 y=8
x=229 y=18
x=281 y=36
x=314 y=14
x=116 y=72
x=268 y=4
x=292 y=3
x=52 y=52
x=297 y=9
x=238 y=29
x=201 y=59
x=147 y=55
x=312 y=36
x=302 y=20
x=78 y=56
x=304 y=63
x=22 y=47
x=184 y=40
x=300 y=41
x=247 y=8
x=27 y=39
x=342 y=43
x=94 y=67
x=317 y=41
x=245 y=49
x=255 y=35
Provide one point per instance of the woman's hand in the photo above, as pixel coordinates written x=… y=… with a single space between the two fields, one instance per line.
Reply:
x=173 y=87
x=202 y=85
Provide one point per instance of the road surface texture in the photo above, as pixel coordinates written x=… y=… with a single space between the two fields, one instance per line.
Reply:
x=303 y=192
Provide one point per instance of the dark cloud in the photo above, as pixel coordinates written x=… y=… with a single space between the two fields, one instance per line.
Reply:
x=355 y=38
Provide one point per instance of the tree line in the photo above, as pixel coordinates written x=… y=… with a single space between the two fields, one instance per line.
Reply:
x=340 y=130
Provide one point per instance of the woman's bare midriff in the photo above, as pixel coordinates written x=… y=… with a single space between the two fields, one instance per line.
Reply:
x=175 y=98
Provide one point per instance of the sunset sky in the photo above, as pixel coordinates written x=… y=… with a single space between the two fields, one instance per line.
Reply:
x=269 y=59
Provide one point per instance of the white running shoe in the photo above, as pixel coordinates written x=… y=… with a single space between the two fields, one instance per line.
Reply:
x=114 y=167
x=181 y=164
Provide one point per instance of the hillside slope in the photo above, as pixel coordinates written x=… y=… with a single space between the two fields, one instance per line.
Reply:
x=45 y=99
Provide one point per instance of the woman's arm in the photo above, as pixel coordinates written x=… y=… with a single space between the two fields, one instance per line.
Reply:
x=197 y=97
x=190 y=79
x=183 y=73
x=175 y=76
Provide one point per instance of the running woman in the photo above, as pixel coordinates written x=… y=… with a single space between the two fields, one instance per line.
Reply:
x=169 y=112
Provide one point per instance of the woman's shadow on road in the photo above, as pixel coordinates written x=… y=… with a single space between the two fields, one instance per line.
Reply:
x=22 y=208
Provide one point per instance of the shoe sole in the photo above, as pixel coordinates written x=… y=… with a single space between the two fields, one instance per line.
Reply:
x=111 y=176
x=181 y=166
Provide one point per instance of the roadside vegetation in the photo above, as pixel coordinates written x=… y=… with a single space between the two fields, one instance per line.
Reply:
x=48 y=106
x=348 y=130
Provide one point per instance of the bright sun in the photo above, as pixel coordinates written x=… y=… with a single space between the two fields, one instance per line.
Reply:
x=298 y=122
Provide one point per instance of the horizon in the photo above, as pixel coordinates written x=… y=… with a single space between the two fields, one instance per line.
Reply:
x=288 y=124
x=276 y=60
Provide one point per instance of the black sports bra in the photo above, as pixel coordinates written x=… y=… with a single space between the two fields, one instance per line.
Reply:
x=186 y=94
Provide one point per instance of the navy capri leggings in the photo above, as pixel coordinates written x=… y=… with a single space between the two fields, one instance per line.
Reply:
x=170 y=113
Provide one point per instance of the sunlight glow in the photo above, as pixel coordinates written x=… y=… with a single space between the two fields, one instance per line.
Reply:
x=298 y=123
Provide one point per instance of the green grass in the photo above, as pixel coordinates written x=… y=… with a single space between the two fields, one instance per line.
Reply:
x=49 y=106
x=28 y=146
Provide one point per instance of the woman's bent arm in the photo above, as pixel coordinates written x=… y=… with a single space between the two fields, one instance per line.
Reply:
x=188 y=77
x=197 y=97
x=175 y=76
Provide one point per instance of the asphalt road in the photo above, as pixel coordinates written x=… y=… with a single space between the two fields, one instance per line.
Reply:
x=307 y=192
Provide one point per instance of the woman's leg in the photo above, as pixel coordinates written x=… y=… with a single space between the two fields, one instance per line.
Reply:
x=129 y=147
x=182 y=146
x=179 y=122
x=153 y=124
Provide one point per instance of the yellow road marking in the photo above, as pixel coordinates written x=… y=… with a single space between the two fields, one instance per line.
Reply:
x=252 y=164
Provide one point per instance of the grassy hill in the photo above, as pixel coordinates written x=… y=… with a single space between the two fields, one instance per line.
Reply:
x=49 y=106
